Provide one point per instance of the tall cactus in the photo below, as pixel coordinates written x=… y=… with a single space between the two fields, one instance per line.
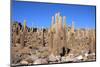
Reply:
x=31 y=29
x=14 y=35
x=42 y=32
x=56 y=22
x=53 y=25
x=24 y=24
x=64 y=20
x=65 y=31
x=50 y=37
x=22 y=37
x=60 y=24
x=72 y=29
x=52 y=21
x=16 y=25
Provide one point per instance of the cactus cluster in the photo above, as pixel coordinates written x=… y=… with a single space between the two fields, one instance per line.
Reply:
x=60 y=40
x=58 y=33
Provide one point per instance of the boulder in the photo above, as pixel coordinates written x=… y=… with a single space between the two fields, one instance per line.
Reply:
x=23 y=62
x=37 y=61
x=52 y=58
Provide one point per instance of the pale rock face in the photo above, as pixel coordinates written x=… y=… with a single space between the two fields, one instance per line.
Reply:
x=73 y=59
x=24 y=62
x=80 y=57
x=86 y=54
x=40 y=61
x=93 y=53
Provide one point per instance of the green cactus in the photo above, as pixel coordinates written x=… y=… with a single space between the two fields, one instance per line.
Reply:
x=31 y=29
x=16 y=25
x=53 y=29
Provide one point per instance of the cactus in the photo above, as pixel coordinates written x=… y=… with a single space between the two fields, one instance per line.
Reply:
x=50 y=43
x=53 y=29
x=65 y=31
x=31 y=29
x=24 y=24
x=50 y=36
x=64 y=20
x=59 y=38
x=60 y=24
x=22 y=35
x=16 y=25
x=52 y=21
x=72 y=29
x=43 y=36
x=53 y=26
x=14 y=35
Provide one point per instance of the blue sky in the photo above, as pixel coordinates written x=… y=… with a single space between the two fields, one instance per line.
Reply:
x=39 y=14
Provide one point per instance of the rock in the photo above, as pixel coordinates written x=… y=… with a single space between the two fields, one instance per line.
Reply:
x=31 y=58
x=41 y=61
x=63 y=59
x=34 y=57
x=23 y=62
x=86 y=54
x=52 y=58
x=68 y=58
x=44 y=61
x=93 y=53
x=37 y=61
x=15 y=57
x=41 y=49
x=58 y=58
x=91 y=57
x=80 y=57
